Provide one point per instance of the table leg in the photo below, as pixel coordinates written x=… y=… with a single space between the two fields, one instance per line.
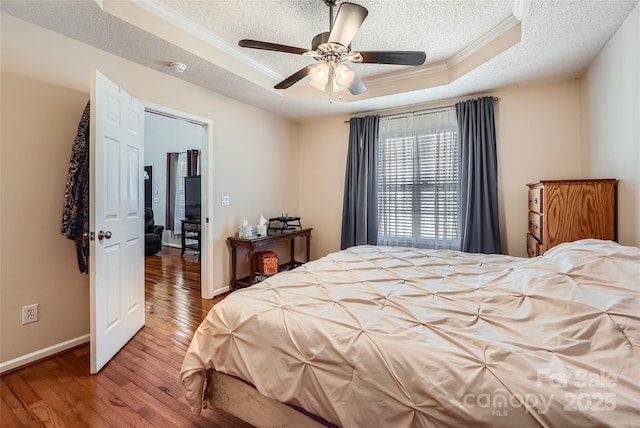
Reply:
x=292 y=252
x=233 y=267
x=183 y=240
x=252 y=267
x=308 y=246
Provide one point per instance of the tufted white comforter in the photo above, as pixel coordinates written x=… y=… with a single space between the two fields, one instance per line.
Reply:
x=400 y=337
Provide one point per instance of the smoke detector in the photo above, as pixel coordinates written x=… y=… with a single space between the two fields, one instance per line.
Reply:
x=178 y=66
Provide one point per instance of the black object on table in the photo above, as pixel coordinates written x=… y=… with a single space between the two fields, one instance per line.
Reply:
x=286 y=224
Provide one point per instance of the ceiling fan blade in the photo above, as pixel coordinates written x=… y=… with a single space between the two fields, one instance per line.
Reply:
x=294 y=78
x=255 y=44
x=393 y=57
x=349 y=19
x=357 y=87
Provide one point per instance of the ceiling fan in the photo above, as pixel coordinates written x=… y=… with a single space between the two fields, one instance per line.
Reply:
x=333 y=48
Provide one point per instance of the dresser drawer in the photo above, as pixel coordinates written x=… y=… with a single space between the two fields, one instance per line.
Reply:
x=569 y=210
x=535 y=225
x=534 y=248
x=535 y=200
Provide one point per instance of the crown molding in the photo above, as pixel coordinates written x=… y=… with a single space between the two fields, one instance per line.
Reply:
x=407 y=73
x=444 y=66
x=521 y=9
x=484 y=41
x=200 y=32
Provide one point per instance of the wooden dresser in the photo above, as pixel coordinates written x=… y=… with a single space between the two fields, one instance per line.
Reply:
x=568 y=210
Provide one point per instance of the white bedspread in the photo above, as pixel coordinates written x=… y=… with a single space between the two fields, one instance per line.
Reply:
x=398 y=337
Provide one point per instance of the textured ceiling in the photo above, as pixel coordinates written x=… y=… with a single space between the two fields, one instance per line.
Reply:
x=556 y=39
x=390 y=25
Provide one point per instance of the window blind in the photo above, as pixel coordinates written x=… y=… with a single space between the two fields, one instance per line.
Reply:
x=418 y=181
x=181 y=173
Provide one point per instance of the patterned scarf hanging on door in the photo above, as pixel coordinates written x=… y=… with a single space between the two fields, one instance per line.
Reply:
x=75 y=216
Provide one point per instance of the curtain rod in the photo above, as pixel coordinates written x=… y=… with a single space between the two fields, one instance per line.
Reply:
x=426 y=110
x=197 y=150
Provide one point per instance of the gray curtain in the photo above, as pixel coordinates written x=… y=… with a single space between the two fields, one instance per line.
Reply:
x=192 y=162
x=360 y=210
x=170 y=212
x=479 y=226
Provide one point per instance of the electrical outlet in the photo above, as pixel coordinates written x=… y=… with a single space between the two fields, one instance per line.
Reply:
x=29 y=313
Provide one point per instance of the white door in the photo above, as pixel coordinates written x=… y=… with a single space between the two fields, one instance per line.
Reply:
x=116 y=219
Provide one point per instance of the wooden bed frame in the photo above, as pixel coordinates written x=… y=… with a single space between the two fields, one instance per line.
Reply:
x=238 y=398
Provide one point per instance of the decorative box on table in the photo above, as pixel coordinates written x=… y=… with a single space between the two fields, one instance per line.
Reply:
x=268 y=263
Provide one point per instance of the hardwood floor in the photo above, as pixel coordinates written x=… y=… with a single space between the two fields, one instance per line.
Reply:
x=140 y=386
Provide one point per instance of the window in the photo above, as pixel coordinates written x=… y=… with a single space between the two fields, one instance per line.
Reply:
x=179 y=165
x=418 y=180
x=181 y=173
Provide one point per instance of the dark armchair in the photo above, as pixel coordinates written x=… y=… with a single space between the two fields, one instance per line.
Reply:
x=152 y=234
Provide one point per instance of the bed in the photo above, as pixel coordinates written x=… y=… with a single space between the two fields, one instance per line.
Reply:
x=403 y=337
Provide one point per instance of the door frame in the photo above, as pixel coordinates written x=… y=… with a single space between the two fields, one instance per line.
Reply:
x=206 y=170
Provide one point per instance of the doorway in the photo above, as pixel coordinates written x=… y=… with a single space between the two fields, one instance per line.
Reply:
x=173 y=132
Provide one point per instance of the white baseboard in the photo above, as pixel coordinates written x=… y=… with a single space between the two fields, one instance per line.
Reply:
x=43 y=353
x=221 y=290
x=63 y=346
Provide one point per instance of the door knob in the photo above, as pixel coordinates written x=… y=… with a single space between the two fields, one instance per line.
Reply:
x=104 y=235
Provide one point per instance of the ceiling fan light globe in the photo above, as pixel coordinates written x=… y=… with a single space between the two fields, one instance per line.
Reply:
x=319 y=76
x=337 y=87
x=344 y=76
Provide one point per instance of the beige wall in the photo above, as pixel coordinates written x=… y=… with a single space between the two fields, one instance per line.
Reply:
x=610 y=108
x=323 y=156
x=39 y=123
x=537 y=138
x=45 y=83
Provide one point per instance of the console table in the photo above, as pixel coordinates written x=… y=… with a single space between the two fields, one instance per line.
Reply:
x=190 y=230
x=253 y=245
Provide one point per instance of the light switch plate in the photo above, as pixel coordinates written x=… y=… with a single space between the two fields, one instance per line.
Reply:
x=226 y=200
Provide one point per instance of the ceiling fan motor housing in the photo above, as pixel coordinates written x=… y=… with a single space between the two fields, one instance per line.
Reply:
x=320 y=39
x=326 y=51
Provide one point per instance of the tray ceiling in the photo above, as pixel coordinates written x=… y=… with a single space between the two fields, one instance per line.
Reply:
x=472 y=47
